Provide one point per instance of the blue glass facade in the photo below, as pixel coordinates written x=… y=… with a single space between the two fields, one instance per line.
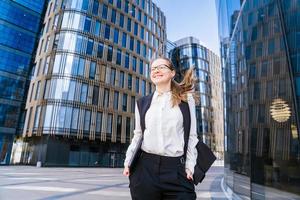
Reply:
x=260 y=64
x=187 y=53
x=92 y=63
x=20 y=22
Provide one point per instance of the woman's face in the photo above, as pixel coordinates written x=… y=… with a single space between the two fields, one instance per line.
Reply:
x=160 y=72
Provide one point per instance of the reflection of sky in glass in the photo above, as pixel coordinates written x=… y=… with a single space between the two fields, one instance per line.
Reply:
x=225 y=9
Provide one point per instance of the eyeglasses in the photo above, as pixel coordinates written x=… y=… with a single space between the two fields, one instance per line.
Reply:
x=160 y=68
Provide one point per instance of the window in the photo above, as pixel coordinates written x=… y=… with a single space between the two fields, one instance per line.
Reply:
x=132 y=104
x=135 y=28
x=143 y=87
x=37 y=116
x=107 y=31
x=141 y=67
x=256 y=91
x=252 y=71
x=104 y=11
x=131 y=43
x=99 y=122
x=138 y=47
x=128 y=24
x=116 y=100
x=133 y=11
x=271 y=46
x=128 y=121
x=92 y=70
x=71 y=92
x=109 y=124
x=89 y=47
x=87 y=120
x=121 y=79
x=127 y=60
x=95 y=7
x=276 y=66
x=68 y=117
x=126 y=6
x=124 y=103
x=87 y=24
x=47 y=120
x=85 y=5
x=129 y=83
x=83 y=95
x=81 y=67
x=95 y=95
x=97 y=27
x=119 y=57
x=37 y=92
x=113 y=16
x=139 y=15
x=124 y=38
x=137 y=85
x=269 y=92
x=261 y=113
x=112 y=76
x=74 y=123
x=116 y=36
x=119 y=127
x=121 y=23
x=264 y=69
x=106 y=98
x=100 y=50
x=46 y=65
x=142 y=32
x=134 y=63
x=119 y=3
x=109 y=53
x=145 y=20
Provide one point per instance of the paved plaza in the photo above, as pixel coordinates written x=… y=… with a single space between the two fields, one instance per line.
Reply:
x=32 y=183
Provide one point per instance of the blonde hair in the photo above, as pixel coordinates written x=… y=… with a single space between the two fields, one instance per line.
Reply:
x=187 y=85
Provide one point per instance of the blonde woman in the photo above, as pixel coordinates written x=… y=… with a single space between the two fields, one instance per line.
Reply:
x=163 y=170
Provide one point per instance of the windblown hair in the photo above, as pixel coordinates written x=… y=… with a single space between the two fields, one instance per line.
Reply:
x=187 y=85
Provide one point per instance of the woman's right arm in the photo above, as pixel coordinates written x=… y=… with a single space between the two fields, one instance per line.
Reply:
x=137 y=134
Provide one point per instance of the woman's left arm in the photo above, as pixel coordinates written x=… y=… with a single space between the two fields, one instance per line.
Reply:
x=191 y=156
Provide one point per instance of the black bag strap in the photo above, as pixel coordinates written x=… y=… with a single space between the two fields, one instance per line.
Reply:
x=185 y=110
x=143 y=105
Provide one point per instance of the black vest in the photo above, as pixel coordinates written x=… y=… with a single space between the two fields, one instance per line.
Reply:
x=144 y=104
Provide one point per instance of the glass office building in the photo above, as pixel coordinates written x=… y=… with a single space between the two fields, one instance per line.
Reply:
x=19 y=28
x=92 y=64
x=186 y=53
x=260 y=50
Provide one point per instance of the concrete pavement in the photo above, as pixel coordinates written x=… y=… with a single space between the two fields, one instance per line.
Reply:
x=31 y=183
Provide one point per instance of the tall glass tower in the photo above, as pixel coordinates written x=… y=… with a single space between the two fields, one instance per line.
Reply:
x=189 y=52
x=260 y=61
x=20 y=23
x=92 y=65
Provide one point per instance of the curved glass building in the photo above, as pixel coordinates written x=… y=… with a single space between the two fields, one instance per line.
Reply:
x=92 y=65
x=20 y=24
x=187 y=53
x=260 y=48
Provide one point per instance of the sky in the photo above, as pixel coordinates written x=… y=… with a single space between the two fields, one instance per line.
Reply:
x=195 y=18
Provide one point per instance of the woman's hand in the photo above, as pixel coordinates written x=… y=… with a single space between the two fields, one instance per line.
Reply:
x=189 y=174
x=126 y=171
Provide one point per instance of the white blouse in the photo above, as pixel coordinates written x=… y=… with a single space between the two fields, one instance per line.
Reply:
x=164 y=132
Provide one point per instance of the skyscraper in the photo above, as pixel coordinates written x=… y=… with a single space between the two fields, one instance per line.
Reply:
x=92 y=64
x=189 y=52
x=259 y=59
x=20 y=23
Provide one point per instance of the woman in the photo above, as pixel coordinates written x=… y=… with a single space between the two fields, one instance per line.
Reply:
x=161 y=172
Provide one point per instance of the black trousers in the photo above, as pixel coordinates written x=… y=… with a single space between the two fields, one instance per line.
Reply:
x=160 y=178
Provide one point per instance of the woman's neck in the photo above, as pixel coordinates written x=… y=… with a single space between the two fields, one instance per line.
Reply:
x=163 y=88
